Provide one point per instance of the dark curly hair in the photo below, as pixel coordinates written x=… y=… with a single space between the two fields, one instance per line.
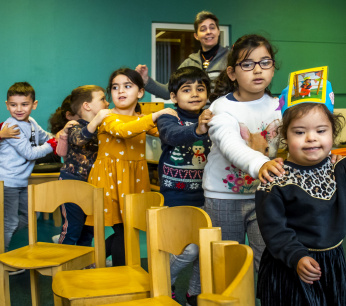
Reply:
x=58 y=120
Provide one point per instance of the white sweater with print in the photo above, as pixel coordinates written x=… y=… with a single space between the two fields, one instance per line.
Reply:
x=244 y=138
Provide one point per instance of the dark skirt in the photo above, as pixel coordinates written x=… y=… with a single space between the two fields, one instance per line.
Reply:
x=279 y=285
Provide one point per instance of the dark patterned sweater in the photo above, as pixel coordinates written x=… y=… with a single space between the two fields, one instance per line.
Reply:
x=184 y=155
x=81 y=152
x=306 y=208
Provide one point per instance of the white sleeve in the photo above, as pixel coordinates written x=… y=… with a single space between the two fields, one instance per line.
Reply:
x=224 y=132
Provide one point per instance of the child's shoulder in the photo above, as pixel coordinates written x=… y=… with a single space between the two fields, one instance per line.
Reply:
x=341 y=164
x=11 y=120
x=21 y=124
x=222 y=103
x=312 y=179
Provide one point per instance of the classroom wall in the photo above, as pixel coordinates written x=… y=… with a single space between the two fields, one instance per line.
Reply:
x=59 y=45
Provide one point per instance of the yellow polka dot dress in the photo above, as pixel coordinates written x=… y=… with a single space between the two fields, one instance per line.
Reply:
x=121 y=167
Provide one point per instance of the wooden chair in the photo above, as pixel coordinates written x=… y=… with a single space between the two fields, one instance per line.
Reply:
x=2 y=231
x=233 y=276
x=108 y=285
x=170 y=230
x=49 y=258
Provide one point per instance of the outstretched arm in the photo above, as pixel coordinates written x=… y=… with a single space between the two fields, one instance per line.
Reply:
x=174 y=134
x=152 y=86
x=23 y=147
x=224 y=132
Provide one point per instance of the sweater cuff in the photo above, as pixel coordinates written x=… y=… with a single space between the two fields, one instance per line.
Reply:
x=296 y=257
x=255 y=170
x=86 y=134
x=63 y=137
x=199 y=136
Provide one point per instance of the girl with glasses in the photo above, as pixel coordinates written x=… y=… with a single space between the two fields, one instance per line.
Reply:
x=243 y=131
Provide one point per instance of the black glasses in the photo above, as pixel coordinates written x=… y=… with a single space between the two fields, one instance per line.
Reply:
x=248 y=65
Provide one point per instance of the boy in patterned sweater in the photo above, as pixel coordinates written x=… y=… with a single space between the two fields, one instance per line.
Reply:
x=89 y=102
x=185 y=146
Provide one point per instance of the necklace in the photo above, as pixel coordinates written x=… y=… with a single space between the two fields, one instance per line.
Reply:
x=206 y=62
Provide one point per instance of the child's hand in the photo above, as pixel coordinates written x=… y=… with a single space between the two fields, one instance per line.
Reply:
x=165 y=111
x=308 y=270
x=9 y=132
x=53 y=144
x=203 y=121
x=335 y=158
x=102 y=114
x=274 y=166
x=68 y=125
x=143 y=71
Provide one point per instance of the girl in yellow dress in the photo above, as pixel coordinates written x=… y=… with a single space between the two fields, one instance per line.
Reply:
x=121 y=167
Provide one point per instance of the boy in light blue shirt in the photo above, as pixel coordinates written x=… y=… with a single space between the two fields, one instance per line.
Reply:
x=17 y=156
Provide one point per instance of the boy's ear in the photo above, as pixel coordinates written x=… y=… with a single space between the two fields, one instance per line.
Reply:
x=174 y=97
x=86 y=106
x=6 y=105
x=140 y=93
x=231 y=73
x=34 y=105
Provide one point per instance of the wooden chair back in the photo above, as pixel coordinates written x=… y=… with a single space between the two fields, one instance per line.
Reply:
x=46 y=197
x=135 y=220
x=2 y=229
x=170 y=230
x=233 y=275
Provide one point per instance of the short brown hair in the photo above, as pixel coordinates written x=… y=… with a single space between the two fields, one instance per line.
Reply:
x=82 y=94
x=204 y=15
x=337 y=120
x=21 y=89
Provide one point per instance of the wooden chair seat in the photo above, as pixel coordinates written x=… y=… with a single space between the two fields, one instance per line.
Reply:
x=170 y=230
x=157 y=301
x=42 y=255
x=116 y=284
x=102 y=282
x=49 y=258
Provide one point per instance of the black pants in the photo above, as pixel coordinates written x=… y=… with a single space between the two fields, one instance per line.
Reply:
x=115 y=245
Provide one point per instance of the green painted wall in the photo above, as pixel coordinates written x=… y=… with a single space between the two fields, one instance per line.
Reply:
x=59 y=45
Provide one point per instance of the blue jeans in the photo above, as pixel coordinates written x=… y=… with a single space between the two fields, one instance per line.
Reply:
x=73 y=230
x=179 y=262
x=15 y=211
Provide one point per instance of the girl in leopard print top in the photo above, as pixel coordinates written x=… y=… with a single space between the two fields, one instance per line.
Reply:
x=302 y=215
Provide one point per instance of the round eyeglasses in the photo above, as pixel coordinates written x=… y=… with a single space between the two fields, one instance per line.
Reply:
x=248 y=65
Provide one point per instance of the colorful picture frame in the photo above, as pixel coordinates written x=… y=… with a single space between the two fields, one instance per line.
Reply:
x=308 y=85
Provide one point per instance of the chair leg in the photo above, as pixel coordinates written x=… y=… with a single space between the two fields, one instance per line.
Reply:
x=58 y=301
x=4 y=287
x=35 y=298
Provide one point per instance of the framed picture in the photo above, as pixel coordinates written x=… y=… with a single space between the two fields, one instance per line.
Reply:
x=309 y=84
